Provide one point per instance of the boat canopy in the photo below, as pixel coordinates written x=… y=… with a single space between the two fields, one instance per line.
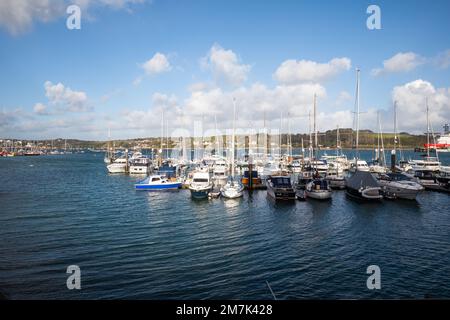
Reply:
x=361 y=179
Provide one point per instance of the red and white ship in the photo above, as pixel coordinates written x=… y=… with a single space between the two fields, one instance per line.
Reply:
x=443 y=142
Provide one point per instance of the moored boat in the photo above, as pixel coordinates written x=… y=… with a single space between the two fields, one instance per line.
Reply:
x=399 y=185
x=200 y=185
x=158 y=182
x=318 y=189
x=280 y=188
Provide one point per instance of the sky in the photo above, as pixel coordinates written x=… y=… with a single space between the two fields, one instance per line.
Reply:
x=134 y=60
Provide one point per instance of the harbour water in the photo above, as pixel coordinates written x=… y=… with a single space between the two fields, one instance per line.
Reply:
x=57 y=211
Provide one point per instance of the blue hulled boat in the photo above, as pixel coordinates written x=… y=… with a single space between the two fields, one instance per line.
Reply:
x=157 y=182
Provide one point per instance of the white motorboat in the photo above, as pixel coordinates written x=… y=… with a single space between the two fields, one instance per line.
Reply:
x=359 y=165
x=220 y=170
x=140 y=165
x=428 y=163
x=118 y=166
x=335 y=176
x=200 y=185
x=399 y=185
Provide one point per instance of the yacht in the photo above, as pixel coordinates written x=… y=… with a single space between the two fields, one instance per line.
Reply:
x=318 y=189
x=335 y=176
x=280 y=188
x=220 y=169
x=399 y=185
x=118 y=166
x=359 y=165
x=304 y=178
x=234 y=188
x=428 y=163
x=427 y=178
x=200 y=185
x=140 y=165
x=361 y=184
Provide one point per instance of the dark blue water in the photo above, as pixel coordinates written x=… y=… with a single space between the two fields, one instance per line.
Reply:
x=56 y=211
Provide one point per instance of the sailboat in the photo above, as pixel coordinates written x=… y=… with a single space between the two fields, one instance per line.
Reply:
x=397 y=184
x=318 y=188
x=335 y=172
x=233 y=189
x=379 y=162
x=361 y=184
x=429 y=164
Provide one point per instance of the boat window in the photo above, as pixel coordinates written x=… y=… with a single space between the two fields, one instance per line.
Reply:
x=155 y=179
x=200 y=180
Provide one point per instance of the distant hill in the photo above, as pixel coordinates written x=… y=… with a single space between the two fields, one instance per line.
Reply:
x=327 y=139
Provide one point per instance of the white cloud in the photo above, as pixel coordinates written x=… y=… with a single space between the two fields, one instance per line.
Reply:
x=65 y=98
x=411 y=105
x=225 y=66
x=157 y=64
x=292 y=71
x=401 y=62
x=40 y=108
x=18 y=16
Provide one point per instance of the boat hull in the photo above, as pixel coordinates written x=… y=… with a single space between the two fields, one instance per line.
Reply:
x=199 y=194
x=318 y=195
x=116 y=168
x=370 y=194
x=337 y=183
x=167 y=186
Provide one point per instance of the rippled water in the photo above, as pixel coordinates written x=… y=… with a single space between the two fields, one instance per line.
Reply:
x=61 y=210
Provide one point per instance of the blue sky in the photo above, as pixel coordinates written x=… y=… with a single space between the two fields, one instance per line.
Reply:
x=103 y=65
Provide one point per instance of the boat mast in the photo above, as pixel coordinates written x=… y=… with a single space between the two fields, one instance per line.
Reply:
x=281 y=128
x=162 y=133
x=357 y=117
x=428 y=129
x=217 y=136
x=315 y=128
x=381 y=152
x=395 y=126
x=337 y=141
x=310 y=135
x=232 y=139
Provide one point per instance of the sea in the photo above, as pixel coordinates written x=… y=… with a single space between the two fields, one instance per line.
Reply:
x=65 y=210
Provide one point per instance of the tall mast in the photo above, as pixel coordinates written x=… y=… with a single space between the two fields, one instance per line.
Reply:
x=281 y=129
x=378 y=136
x=310 y=135
x=232 y=138
x=428 y=129
x=315 y=129
x=337 y=140
x=357 y=112
x=395 y=126
x=217 y=136
x=162 y=132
